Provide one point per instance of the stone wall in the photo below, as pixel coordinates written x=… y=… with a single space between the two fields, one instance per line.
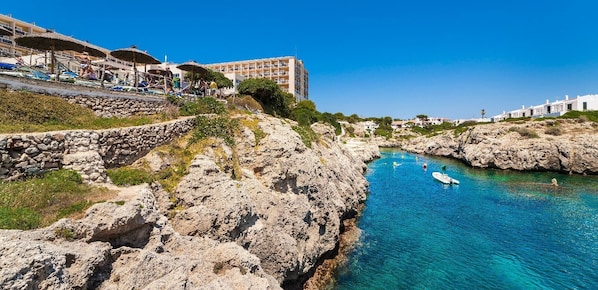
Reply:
x=87 y=151
x=103 y=102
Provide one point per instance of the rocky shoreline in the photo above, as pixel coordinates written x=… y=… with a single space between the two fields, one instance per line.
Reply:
x=269 y=227
x=564 y=146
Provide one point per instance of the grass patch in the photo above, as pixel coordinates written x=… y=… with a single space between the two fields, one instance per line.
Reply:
x=253 y=125
x=127 y=176
x=40 y=201
x=591 y=116
x=23 y=112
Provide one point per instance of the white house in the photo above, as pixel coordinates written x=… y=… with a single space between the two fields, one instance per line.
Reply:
x=554 y=109
x=369 y=126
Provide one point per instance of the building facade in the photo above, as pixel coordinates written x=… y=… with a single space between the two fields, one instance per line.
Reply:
x=18 y=28
x=288 y=72
x=552 y=109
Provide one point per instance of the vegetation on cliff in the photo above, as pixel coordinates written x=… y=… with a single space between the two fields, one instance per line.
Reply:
x=38 y=202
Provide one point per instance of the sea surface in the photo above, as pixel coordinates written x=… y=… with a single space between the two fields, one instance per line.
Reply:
x=496 y=230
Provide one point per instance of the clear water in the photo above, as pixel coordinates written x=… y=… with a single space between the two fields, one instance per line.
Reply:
x=496 y=230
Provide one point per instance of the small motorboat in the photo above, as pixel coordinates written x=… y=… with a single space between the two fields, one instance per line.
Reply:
x=444 y=178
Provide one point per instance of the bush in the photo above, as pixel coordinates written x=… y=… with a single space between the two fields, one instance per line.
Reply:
x=553 y=131
x=209 y=105
x=524 y=132
x=220 y=127
x=307 y=134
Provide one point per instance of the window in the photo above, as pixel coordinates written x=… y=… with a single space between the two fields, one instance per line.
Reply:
x=585 y=106
x=569 y=107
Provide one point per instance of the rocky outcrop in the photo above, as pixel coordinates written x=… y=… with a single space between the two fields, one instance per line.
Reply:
x=568 y=146
x=124 y=245
x=288 y=205
x=258 y=215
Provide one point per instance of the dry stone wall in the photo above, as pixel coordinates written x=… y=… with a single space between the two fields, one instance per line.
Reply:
x=87 y=151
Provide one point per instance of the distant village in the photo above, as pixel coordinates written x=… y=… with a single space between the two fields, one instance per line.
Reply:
x=548 y=109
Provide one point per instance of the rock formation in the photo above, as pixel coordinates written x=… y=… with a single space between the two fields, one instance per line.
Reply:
x=568 y=146
x=258 y=215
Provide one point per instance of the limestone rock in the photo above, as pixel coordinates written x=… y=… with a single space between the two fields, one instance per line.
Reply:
x=524 y=146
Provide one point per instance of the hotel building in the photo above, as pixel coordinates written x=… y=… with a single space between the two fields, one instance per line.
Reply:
x=18 y=28
x=288 y=72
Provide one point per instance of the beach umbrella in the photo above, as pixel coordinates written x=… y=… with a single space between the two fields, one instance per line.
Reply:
x=134 y=55
x=53 y=41
x=4 y=31
x=157 y=71
x=193 y=67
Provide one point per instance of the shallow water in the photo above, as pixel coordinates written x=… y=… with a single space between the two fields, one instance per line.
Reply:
x=496 y=230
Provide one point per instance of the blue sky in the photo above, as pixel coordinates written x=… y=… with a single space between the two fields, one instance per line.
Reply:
x=371 y=58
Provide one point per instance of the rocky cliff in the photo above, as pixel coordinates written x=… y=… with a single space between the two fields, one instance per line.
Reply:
x=568 y=146
x=258 y=215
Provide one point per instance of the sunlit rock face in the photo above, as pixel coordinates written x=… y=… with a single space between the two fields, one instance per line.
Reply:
x=254 y=216
x=569 y=146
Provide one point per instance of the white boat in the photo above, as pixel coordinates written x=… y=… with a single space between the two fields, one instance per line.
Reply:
x=444 y=178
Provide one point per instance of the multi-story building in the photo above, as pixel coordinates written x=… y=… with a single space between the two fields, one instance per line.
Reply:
x=18 y=28
x=288 y=72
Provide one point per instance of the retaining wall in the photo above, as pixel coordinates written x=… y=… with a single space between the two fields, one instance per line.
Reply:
x=27 y=154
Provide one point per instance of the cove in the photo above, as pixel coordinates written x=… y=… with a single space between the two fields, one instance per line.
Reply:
x=496 y=230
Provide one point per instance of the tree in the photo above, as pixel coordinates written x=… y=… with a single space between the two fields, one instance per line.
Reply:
x=305 y=113
x=332 y=120
x=384 y=127
x=269 y=95
x=221 y=80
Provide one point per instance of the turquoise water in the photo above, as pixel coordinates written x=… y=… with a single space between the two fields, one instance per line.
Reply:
x=496 y=230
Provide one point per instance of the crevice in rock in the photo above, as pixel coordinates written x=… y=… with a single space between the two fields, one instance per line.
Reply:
x=135 y=238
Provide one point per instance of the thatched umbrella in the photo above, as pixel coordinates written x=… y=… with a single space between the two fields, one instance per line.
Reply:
x=5 y=32
x=135 y=56
x=193 y=67
x=57 y=42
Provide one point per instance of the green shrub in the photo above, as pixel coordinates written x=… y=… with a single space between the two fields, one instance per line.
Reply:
x=307 y=134
x=555 y=131
x=524 y=132
x=127 y=176
x=209 y=105
x=219 y=127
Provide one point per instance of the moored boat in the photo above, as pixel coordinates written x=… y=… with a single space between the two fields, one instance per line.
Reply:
x=444 y=178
